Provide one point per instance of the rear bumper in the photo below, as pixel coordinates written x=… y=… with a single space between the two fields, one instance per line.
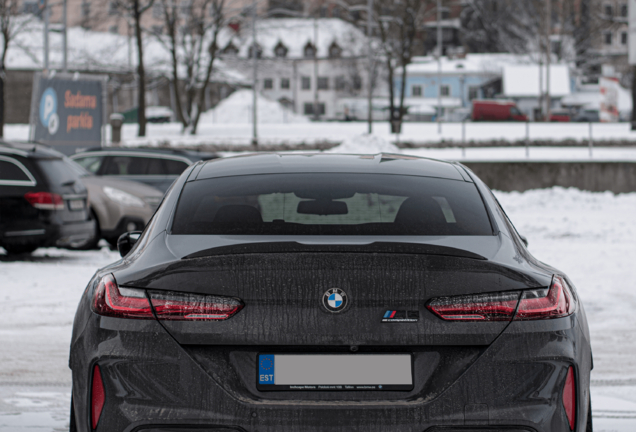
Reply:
x=153 y=384
x=43 y=235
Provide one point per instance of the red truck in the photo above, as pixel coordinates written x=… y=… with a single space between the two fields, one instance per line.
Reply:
x=496 y=110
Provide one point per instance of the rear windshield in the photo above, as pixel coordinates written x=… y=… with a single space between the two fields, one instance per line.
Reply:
x=58 y=171
x=331 y=204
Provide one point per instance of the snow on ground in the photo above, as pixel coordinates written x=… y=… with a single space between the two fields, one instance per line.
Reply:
x=235 y=129
x=237 y=108
x=365 y=144
x=590 y=236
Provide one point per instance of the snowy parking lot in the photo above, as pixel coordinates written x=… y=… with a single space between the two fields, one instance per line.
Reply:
x=590 y=236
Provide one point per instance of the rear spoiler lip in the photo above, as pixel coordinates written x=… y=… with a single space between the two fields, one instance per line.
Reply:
x=296 y=247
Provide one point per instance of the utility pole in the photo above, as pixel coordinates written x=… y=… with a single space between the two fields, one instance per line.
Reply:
x=548 y=50
x=65 y=36
x=255 y=77
x=439 y=66
x=46 y=35
x=370 y=59
x=316 y=114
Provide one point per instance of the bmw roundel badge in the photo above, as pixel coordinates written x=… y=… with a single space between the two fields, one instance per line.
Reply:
x=335 y=300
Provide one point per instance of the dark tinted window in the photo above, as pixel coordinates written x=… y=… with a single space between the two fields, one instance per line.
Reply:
x=174 y=167
x=126 y=165
x=58 y=172
x=10 y=171
x=90 y=163
x=331 y=204
x=155 y=167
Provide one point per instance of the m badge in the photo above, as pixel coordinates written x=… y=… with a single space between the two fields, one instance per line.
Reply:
x=401 y=316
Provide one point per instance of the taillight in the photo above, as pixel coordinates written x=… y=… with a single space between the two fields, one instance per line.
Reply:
x=98 y=396
x=480 y=307
x=110 y=300
x=45 y=200
x=557 y=301
x=569 y=397
x=554 y=302
x=171 y=305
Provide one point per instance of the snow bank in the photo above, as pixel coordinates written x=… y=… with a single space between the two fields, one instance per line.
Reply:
x=237 y=108
x=366 y=144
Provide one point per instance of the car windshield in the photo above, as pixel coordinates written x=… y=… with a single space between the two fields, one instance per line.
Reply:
x=328 y=204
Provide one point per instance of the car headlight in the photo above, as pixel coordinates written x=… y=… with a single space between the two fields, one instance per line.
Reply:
x=123 y=198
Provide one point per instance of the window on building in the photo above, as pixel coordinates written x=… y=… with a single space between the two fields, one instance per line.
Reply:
x=334 y=50
x=305 y=83
x=416 y=91
x=230 y=49
x=268 y=84
x=185 y=8
x=157 y=30
x=309 y=51
x=308 y=108
x=341 y=83
x=86 y=9
x=444 y=90
x=445 y=14
x=609 y=11
x=284 y=83
x=114 y=29
x=624 y=38
x=357 y=83
x=321 y=108
x=280 y=50
x=259 y=51
x=323 y=83
x=624 y=10
x=157 y=10
x=31 y=7
x=473 y=93
x=607 y=37
x=112 y=8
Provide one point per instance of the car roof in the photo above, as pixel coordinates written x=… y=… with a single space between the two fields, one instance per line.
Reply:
x=382 y=163
x=29 y=150
x=190 y=154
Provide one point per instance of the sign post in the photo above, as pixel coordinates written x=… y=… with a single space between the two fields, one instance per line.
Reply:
x=68 y=113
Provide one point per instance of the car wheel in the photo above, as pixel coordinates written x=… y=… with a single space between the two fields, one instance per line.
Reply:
x=97 y=235
x=19 y=249
x=589 y=427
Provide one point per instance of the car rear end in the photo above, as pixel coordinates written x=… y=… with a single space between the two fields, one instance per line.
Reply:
x=244 y=329
x=51 y=211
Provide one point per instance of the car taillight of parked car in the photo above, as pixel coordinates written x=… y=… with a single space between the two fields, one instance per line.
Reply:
x=114 y=301
x=554 y=302
x=45 y=200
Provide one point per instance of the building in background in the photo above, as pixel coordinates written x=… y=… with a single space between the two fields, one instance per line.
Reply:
x=307 y=64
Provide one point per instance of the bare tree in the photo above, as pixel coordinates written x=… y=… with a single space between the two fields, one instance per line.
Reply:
x=11 y=24
x=134 y=11
x=399 y=26
x=192 y=41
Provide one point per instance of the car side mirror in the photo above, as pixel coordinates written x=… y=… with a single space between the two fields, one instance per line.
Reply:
x=126 y=241
x=524 y=240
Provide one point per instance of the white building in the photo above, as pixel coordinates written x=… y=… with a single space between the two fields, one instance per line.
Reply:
x=288 y=70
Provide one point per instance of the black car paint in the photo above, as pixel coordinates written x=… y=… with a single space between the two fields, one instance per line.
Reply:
x=201 y=375
x=58 y=227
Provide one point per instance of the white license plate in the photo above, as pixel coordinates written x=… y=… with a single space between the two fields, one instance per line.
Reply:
x=334 y=372
x=76 y=204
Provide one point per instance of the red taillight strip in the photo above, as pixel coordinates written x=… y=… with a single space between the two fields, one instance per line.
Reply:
x=45 y=200
x=558 y=303
x=98 y=396
x=569 y=397
x=480 y=307
x=109 y=301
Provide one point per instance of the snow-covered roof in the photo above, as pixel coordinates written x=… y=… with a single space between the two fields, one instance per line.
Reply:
x=295 y=33
x=523 y=80
x=91 y=51
x=471 y=64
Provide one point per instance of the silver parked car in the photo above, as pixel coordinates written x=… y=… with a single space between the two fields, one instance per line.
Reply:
x=117 y=205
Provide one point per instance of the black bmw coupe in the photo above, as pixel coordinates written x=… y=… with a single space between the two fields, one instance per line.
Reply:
x=313 y=292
